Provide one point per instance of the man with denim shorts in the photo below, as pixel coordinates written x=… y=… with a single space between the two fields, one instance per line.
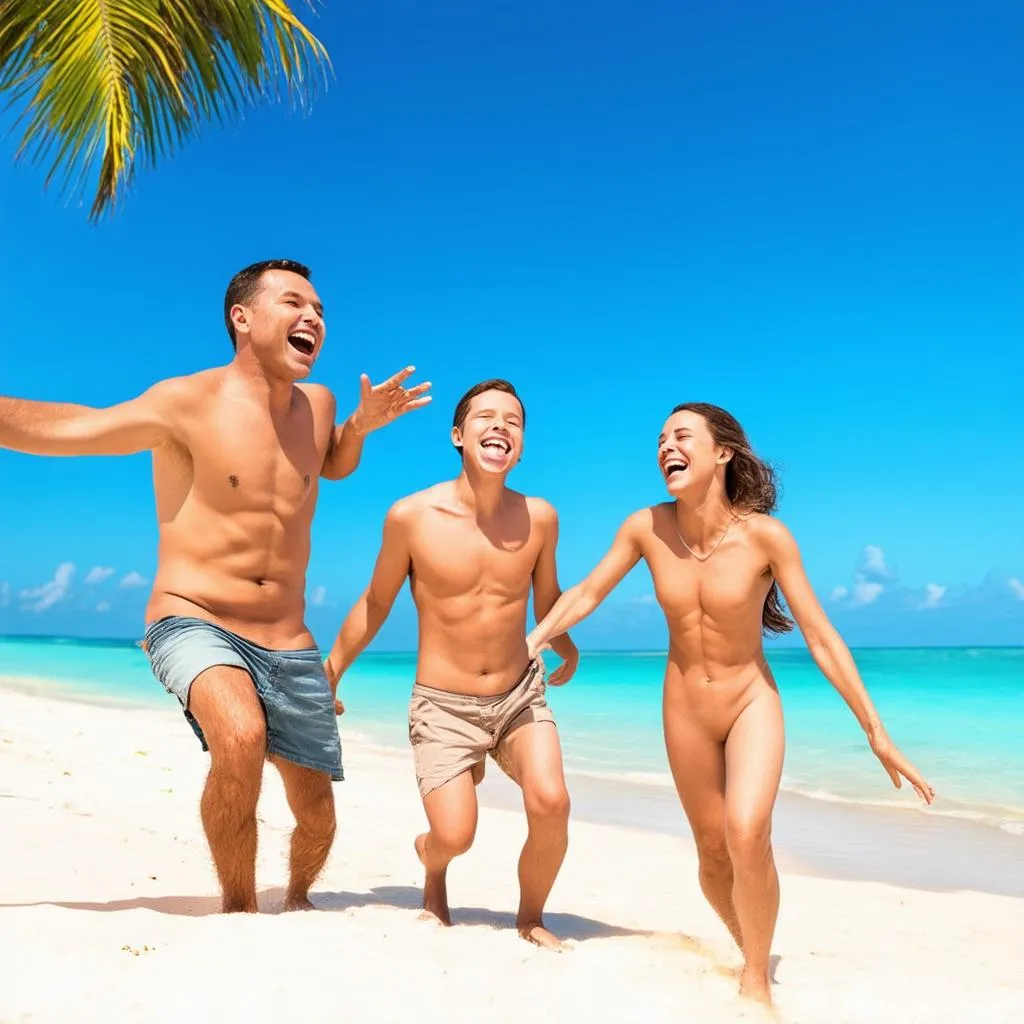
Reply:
x=472 y=549
x=237 y=454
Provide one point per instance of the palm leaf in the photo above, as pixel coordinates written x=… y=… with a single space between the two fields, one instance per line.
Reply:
x=102 y=86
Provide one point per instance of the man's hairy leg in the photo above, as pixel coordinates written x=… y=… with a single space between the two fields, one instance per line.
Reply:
x=224 y=702
x=311 y=799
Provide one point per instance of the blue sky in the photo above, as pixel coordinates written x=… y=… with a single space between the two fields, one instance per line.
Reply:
x=813 y=217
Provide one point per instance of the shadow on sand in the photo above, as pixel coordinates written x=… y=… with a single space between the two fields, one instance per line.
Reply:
x=407 y=897
x=402 y=897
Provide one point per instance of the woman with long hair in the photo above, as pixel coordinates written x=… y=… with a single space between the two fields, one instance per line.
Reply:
x=721 y=565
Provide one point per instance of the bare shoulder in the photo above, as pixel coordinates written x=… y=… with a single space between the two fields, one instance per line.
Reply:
x=321 y=402
x=192 y=385
x=641 y=523
x=180 y=395
x=193 y=388
x=769 y=533
x=541 y=510
x=414 y=506
x=319 y=395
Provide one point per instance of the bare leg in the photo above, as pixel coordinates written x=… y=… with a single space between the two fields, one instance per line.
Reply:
x=224 y=702
x=451 y=815
x=534 y=758
x=697 y=761
x=311 y=799
x=753 y=754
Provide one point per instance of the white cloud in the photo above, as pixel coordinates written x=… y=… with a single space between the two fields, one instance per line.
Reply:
x=38 y=599
x=873 y=566
x=644 y=599
x=133 y=579
x=5 y=594
x=98 y=575
x=932 y=595
x=318 y=596
x=865 y=593
x=869 y=579
x=1016 y=586
x=103 y=606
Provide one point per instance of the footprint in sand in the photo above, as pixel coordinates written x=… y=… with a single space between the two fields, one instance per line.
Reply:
x=685 y=944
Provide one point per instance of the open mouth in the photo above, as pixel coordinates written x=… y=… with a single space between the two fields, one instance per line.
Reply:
x=674 y=468
x=303 y=341
x=497 y=445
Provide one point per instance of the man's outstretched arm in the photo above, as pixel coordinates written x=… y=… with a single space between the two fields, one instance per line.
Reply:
x=61 y=428
x=379 y=404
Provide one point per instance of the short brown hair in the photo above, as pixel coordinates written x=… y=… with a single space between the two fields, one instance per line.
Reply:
x=497 y=384
x=246 y=283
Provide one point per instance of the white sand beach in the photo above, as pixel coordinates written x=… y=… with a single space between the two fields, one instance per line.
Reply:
x=108 y=899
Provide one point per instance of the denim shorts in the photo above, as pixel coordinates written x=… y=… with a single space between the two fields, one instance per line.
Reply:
x=291 y=685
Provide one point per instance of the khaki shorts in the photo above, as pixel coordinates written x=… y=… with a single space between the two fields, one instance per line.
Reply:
x=453 y=732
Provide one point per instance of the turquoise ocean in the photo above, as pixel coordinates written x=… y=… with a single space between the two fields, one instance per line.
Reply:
x=957 y=713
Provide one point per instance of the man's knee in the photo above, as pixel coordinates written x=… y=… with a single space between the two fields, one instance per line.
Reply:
x=240 y=746
x=453 y=839
x=547 y=803
x=316 y=815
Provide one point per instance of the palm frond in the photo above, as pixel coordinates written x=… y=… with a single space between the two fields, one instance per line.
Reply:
x=103 y=86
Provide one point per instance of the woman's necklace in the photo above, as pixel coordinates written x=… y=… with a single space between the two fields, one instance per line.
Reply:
x=700 y=558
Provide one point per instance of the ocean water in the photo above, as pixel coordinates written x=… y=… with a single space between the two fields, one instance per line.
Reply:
x=956 y=713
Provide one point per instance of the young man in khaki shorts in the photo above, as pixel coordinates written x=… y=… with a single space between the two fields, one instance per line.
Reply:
x=471 y=549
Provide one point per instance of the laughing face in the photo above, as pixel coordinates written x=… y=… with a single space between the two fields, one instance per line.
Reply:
x=283 y=323
x=491 y=438
x=688 y=456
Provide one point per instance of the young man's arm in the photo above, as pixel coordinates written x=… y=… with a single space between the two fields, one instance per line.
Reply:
x=379 y=404
x=546 y=592
x=60 y=428
x=370 y=611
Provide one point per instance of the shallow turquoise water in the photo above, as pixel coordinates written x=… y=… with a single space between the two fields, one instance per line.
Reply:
x=957 y=713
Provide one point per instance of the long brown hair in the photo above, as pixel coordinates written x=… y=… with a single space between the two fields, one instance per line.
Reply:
x=750 y=487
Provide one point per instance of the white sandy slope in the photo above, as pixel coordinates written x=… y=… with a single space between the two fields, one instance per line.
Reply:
x=107 y=904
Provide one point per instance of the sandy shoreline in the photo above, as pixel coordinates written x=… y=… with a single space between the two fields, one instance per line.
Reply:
x=106 y=899
x=898 y=845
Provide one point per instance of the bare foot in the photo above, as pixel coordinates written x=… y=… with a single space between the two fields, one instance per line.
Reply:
x=237 y=906
x=754 y=1012
x=298 y=903
x=435 y=890
x=540 y=936
x=754 y=985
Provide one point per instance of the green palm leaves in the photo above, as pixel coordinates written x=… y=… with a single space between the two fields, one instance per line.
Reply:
x=103 y=85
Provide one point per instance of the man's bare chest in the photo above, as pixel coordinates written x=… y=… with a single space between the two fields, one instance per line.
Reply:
x=455 y=559
x=240 y=459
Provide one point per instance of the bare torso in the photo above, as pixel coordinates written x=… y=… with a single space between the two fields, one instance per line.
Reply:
x=716 y=662
x=471 y=582
x=235 y=495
